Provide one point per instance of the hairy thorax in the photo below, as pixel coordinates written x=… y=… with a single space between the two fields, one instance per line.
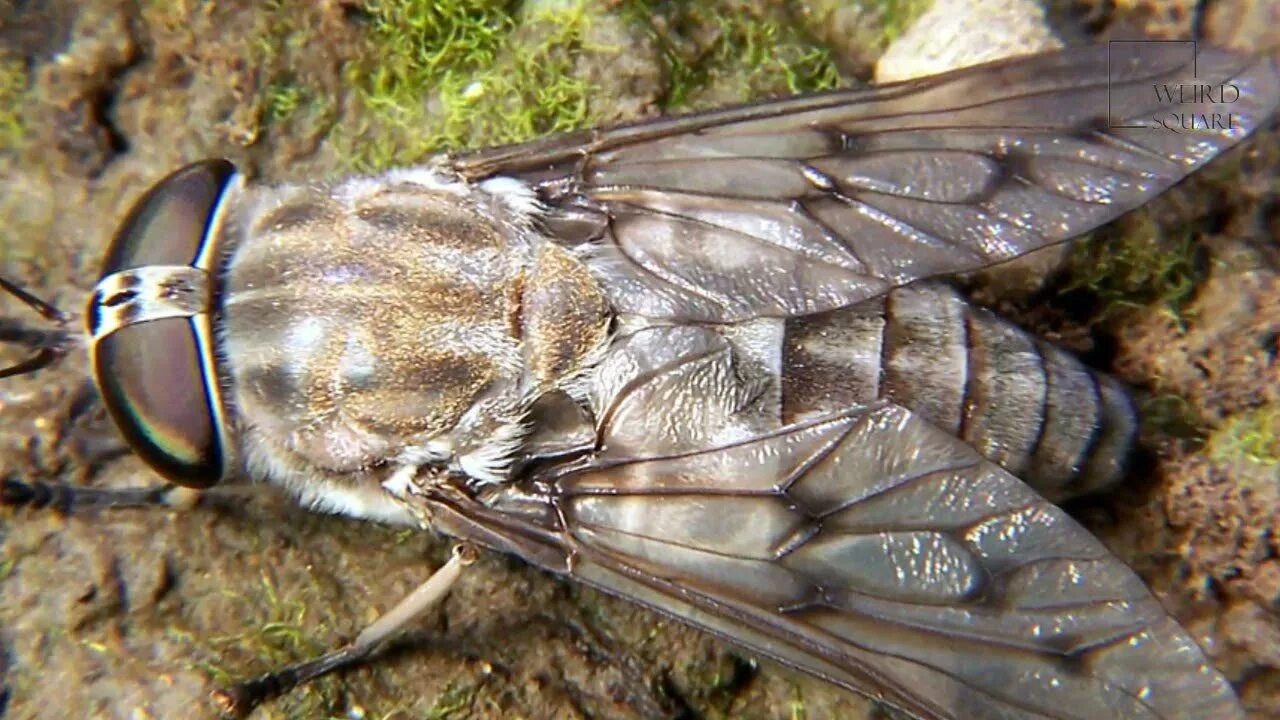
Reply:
x=399 y=321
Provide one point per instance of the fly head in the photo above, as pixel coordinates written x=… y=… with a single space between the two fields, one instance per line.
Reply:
x=150 y=322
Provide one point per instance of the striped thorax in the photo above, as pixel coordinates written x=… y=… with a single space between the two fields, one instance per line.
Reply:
x=326 y=336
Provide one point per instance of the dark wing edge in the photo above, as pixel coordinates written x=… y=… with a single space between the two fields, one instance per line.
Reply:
x=805 y=204
x=882 y=554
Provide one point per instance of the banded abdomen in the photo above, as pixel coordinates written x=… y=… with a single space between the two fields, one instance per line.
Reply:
x=1020 y=401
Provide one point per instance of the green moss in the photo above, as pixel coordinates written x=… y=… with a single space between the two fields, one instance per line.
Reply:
x=277 y=46
x=712 y=685
x=267 y=60
x=1253 y=435
x=463 y=73
x=289 y=101
x=1172 y=415
x=898 y=15
x=283 y=636
x=469 y=73
x=1136 y=264
x=454 y=701
x=532 y=91
x=13 y=93
x=799 y=711
x=723 y=52
x=283 y=99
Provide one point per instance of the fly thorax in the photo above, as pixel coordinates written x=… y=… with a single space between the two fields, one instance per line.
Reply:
x=376 y=323
x=564 y=318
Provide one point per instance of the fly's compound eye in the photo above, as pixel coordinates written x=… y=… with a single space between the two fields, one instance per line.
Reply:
x=150 y=319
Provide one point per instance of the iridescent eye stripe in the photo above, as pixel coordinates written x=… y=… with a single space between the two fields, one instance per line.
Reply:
x=180 y=430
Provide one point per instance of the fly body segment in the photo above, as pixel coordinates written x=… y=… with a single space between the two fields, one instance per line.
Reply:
x=707 y=363
x=414 y=337
x=1024 y=404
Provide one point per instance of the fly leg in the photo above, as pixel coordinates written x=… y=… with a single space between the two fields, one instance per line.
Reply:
x=67 y=499
x=47 y=346
x=239 y=699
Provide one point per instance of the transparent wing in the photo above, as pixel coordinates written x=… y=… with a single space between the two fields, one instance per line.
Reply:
x=812 y=203
x=878 y=552
x=871 y=548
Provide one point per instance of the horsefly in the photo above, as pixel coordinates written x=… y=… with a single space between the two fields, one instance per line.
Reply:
x=704 y=363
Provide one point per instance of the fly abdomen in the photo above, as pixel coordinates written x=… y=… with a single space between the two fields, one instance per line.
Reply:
x=1034 y=409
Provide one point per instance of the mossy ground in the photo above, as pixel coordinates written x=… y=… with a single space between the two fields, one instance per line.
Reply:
x=1252 y=436
x=142 y=612
x=443 y=76
x=438 y=76
x=1135 y=265
x=717 y=54
x=13 y=88
x=897 y=15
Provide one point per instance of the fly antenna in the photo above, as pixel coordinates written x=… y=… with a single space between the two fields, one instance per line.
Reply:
x=47 y=346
